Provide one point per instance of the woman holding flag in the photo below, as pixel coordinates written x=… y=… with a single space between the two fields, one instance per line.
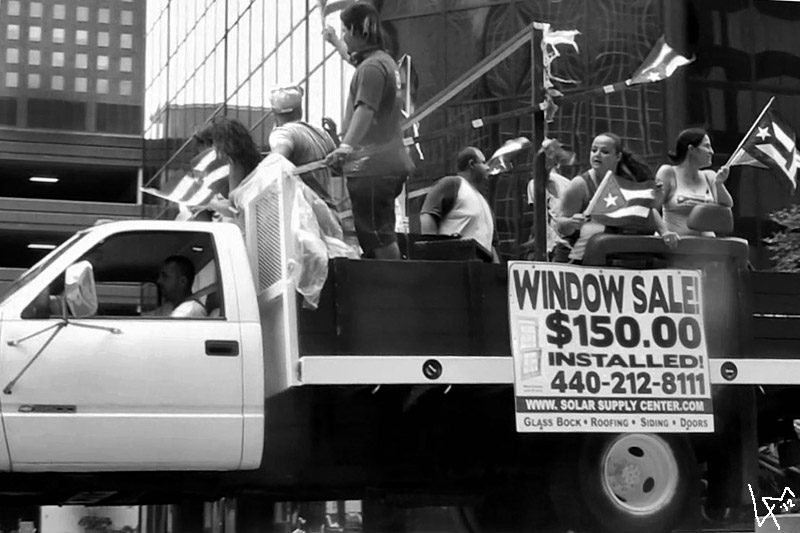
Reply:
x=609 y=155
x=684 y=184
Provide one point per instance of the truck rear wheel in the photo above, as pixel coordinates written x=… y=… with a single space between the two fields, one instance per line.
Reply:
x=625 y=483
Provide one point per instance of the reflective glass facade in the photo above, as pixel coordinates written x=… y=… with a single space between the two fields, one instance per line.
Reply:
x=222 y=57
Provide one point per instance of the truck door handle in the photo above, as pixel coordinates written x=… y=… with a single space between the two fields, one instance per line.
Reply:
x=222 y=348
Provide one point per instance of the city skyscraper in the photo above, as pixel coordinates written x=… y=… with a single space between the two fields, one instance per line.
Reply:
x=71 y=115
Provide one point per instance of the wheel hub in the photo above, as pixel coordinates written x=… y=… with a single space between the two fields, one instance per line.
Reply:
x=640 y=473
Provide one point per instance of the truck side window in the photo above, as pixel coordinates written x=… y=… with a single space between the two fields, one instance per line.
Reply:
x=154 y=274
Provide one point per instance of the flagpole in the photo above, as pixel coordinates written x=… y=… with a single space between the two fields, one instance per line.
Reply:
x=321 y=6
x=747 y=135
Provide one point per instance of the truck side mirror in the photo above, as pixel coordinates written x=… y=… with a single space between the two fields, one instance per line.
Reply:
x=79 y=289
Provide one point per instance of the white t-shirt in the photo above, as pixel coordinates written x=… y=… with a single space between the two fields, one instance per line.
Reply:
x=461 y=209
x=556 y=186
x=187 y=309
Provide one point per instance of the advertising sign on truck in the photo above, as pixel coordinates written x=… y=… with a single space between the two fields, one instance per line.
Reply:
x=603 y=350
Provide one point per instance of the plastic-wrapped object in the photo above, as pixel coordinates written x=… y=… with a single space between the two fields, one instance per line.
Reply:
x=310 y=251
x=315 y=233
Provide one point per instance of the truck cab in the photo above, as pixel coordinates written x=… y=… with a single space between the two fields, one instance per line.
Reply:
x=117 y=389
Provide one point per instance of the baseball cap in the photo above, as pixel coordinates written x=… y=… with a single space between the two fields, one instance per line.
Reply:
x=286 y=99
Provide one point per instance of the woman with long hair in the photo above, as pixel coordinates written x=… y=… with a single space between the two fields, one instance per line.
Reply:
x=235 y=146
x=608 y=153
x=685 y=183
x=233 y=143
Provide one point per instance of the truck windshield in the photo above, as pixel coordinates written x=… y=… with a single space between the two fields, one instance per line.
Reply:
x=34 y=271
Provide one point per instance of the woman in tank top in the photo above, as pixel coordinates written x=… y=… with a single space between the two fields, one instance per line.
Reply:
x=684 y=185
x=607 y=153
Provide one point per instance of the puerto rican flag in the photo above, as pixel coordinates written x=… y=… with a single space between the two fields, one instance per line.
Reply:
x=198 y=186
x=661 y=63
x=772 y=145
x=620 y=202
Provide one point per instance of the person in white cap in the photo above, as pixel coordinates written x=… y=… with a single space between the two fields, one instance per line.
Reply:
x=301 y=143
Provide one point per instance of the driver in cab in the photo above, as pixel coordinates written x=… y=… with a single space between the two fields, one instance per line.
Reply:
x=175 y=281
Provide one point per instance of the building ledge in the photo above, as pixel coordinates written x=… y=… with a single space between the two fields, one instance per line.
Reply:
x=69 y=147
x=63 y=217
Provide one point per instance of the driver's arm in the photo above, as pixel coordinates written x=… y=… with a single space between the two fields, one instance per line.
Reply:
x=189 y=309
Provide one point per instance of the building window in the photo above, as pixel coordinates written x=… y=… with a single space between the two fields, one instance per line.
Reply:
x=126 y=41
x=81 y=61
x=127 y=18
x=12 y=55
x=103 y=15
x=102 y=86
x=59 y=35
x=125 y=88
x=12 y=79
x=13 y=9
x=34 y=57
x=82 y=37
x=126 y=64
x=36 y=9
x=81 y=85
x=57 y=83
x=59 y=11
x=102 y=62
x=35 y=34
x=56 y=114
x=13 y=32
x=34 y=80
x=102 y=39
x=83 y=14
x=58 y=59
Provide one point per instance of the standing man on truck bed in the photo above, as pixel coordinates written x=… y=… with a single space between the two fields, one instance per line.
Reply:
x=375 y=160
x=302 y=143
x=456 y=204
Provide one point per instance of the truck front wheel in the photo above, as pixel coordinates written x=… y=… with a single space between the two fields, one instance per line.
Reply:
x=625 y=483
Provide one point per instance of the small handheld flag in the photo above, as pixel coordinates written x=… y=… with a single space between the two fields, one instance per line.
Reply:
x=620 y=202
x=771 y=144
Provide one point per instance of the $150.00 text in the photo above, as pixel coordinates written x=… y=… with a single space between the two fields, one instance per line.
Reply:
x=600 y=332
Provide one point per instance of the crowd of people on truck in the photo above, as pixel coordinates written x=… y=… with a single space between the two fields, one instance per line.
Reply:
x=364 y=172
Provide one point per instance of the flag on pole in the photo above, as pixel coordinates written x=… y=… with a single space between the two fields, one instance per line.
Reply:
x=501 y=159
x=200 y=185
x=620 y=202
x=770 y=144
x=661 y=63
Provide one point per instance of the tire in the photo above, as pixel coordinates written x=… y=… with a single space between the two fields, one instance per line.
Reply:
x=625 y=483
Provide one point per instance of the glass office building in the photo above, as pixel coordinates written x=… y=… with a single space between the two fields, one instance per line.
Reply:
x=207 y=57
x=222 y=57
x=71 y=101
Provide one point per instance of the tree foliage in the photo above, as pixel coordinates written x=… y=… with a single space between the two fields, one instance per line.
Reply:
x=784 y=245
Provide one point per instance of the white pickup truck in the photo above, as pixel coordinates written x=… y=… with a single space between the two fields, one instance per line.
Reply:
x=400 y=382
